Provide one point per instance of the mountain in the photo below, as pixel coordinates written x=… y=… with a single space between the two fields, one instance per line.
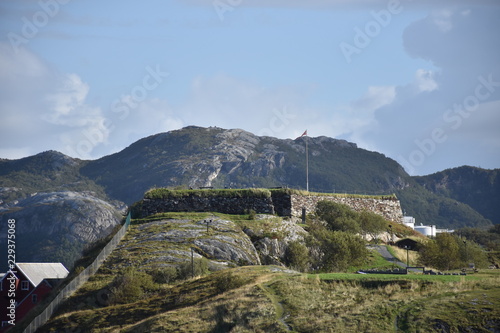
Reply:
x=195 y=156
x=479 y=188
x=47 y=171
x=57 y=226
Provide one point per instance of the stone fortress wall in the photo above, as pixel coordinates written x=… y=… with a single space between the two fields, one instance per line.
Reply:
x=387 y=207
x=282 y=203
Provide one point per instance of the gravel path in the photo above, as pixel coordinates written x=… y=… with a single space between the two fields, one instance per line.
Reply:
x=382 y=249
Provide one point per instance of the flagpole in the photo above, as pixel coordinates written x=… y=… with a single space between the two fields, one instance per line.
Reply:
x=307 y=160
x=307 y=167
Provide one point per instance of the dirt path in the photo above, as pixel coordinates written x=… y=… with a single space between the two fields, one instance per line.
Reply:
x=280 y=310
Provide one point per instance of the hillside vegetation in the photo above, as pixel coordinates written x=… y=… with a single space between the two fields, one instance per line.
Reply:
x=273 y=299
x=475 y=187
x=147 y=283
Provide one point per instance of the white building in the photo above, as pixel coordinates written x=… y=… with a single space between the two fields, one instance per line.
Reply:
x=409 y=221
x=426 y=230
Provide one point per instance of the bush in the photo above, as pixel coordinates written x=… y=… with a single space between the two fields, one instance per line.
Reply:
x=342 y=250
x=371 y=223
x=251 y=214
x=185 y=270
x=448 y=252
x=335 y=250
x=136 y=210
x=164 y=274
x=297 y=256
x=228 y=281
x=339 y=217
x=130 y=286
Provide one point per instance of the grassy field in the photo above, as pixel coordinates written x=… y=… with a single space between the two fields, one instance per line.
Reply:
x=275 y=299
x=272 y=299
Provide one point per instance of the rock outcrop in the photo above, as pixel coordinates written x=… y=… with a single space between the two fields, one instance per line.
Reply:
x=169 y=242
x=58 y=225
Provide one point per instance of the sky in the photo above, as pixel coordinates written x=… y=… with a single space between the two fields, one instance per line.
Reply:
x=418 y=81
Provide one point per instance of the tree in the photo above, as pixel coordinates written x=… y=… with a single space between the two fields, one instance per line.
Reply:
x=495 y=229
x=339 y=217
x=297 y=256
x=371 y=223
x=441 y=253
x=130 y=286
x=339 y=249
x=448 y=251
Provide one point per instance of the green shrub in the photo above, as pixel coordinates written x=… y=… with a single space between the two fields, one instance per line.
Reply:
x=448 y=251
x=163 y=275
x=339 y=217
x=228 y=281
x=130 y=286
x=251 y=214
x=334 y=251
x=371 y=223
x=136 y=210
x=297 y=256
x=185 y=270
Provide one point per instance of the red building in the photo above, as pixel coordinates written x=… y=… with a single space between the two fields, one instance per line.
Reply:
x=22 y=288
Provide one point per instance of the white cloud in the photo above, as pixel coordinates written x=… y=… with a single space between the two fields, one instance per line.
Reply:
x=375 y=98
x=448 y=117
x=424 y=80
x=442 y=19
x=228 y=102
x=151 y=116
x=69 y=96
x=42 y=109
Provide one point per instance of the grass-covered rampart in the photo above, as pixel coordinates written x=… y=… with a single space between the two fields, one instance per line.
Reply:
x=290 y=191
x=167 y=193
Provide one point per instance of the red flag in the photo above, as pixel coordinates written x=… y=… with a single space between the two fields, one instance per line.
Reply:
x=303 y=134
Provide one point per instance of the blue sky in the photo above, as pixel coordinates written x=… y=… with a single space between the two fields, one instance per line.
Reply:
x=416 y=81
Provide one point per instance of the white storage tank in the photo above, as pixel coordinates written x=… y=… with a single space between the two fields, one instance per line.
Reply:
x=426 y=230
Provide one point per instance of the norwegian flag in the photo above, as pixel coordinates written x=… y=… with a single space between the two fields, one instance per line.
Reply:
x=303 y=134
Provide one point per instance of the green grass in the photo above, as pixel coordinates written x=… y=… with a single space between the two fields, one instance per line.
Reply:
x=375 y=261
x=165 y=193
x=341 y=195
x=268 y=299
x=172 y=215
x=391 y=277
x=265 y=299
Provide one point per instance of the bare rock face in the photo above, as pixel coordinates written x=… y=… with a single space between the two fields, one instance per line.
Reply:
x=169 y=242
x=272 y=250
x=56 y=226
